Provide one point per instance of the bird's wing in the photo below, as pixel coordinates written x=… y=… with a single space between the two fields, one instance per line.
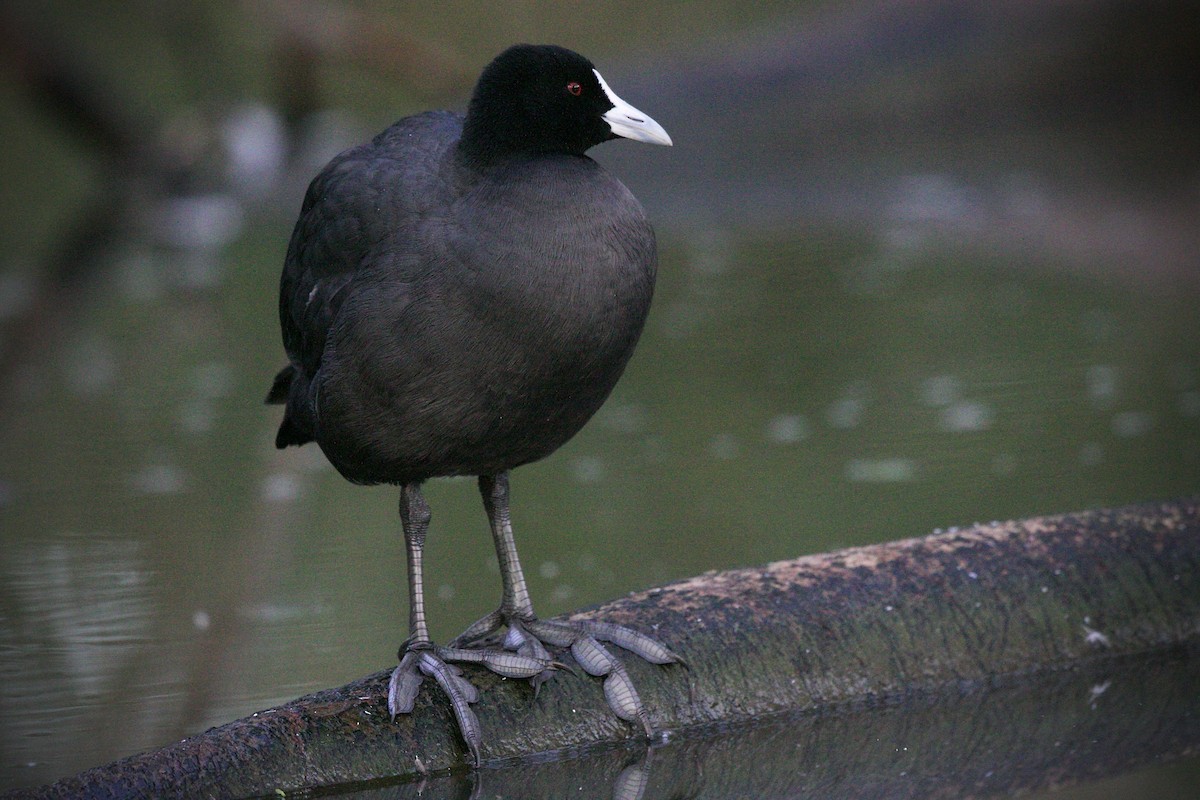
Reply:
x=359 y=213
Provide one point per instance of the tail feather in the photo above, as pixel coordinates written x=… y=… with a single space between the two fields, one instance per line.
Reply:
x=290 y=434
x=282 y=385
x=289 y=431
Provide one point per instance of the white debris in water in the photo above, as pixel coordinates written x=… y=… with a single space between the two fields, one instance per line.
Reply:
x=933 y=197
x=966 y=416
x=881 y=470
x=197 y=415
x=1097 y=690
x=845 y=413
x=1129 y=424
x=588 y=469
x=161 y=478
x=1095 y=637
x=1102 y=385
x=275 y=613
x=549 y=570
x=940 y=390
x=256 y=144
x=201 y=619
x=199 y=222
x=623 y=417
x=787 y=429
x=281 y=487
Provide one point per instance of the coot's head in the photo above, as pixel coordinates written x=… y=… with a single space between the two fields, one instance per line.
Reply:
x=544 y=98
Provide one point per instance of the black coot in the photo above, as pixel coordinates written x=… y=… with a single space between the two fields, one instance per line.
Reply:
x=459 y=297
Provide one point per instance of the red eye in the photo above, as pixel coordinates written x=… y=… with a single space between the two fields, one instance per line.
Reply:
x=574 y=88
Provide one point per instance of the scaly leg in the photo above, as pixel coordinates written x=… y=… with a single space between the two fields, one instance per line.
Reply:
x=420 y=657
x=528 y=636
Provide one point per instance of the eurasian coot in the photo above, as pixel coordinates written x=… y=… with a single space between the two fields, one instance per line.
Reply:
x=459 y=297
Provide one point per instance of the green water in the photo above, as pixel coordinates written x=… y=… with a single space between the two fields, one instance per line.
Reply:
x=165 y=569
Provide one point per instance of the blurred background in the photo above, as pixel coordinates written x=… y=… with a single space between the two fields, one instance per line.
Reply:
x=922 y=264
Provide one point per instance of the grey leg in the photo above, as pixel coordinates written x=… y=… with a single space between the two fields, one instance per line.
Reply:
x=528 y=636
x=516 y=602
x=420 y=657
x=415 y=516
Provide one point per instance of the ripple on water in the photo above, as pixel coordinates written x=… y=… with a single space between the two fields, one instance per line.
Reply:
x=1131 y=424
x=787 y=429
x=1101 y=385
x=881 y=470
x=966 y=416
x=159 y=479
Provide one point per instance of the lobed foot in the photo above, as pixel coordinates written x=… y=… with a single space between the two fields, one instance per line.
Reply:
x=528 y=638
x=423 y=659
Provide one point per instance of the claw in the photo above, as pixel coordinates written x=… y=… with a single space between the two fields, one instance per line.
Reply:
x=531 y=647
x=403 y=687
